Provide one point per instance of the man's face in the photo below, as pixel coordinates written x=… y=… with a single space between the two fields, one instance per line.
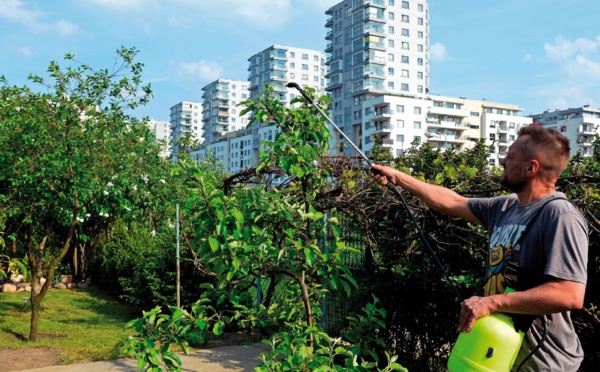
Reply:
x=515 y=167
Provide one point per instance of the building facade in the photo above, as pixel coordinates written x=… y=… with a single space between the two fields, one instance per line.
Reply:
x=580 y=125
x=162 y=131
x=185 y=119
x=376 y=48
x=220 y=113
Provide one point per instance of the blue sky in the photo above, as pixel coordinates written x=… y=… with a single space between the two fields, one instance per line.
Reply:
x=539 y=54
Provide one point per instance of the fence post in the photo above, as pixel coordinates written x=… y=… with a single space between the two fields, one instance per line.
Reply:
x=178 y=278
x=324 y=300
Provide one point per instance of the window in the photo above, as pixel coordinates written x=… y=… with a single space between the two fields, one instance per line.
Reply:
x=405 y=73
x=391 y=57
x=417 y=110
x=405 y=45
x=420 y=75
x=390 y=84
x=292 y=65
x=419 y=89
x=404 y=59
x=390 y=71
x=405 y=18
x=400 y=137
x=400 y=108
x=305 y=77
x=420 y=47
x=316 y=58
x=292 y=75
x=304 y=67
x=390 y=29
x=405 y=32
x=420 y=7
x=399 y=123
x=405 y=5
x=420 y=21
x=304 y=56
x=499 y=111
x=420 y=34
x=391 y=2
x=420 y=61
x=417 y=125
x=391 y=15
x=390 y=43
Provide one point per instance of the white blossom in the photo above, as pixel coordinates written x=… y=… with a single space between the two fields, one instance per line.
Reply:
x=144 y=177
x=134 y=186
x=153 y=232
x=109 y=184
x=163 y=181
x=80 y=219
x=105 y=192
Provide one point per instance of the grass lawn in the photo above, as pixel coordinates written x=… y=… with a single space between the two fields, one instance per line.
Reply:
x=80 y=324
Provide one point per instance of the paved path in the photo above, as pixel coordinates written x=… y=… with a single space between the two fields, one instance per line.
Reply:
x=219 y=359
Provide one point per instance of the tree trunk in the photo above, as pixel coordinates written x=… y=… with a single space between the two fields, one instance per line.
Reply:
x=307 y=307
x=37 y=265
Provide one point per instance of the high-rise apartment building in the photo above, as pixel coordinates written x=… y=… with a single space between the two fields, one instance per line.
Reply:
x=278 y=65
x=185 y=119
x=220 y=113
x=376 y=48
x=162 y=131
x=580 y=125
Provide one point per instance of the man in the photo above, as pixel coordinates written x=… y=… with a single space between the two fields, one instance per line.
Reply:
x=546 y=262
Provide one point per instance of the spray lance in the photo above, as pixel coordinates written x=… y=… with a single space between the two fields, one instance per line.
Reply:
x=493 y=343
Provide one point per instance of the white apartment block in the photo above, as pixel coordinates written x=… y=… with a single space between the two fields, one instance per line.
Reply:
x=444 y=122
x=278 y=65
x=185 y=118
x=376 y=48
x=580 y=125
x=162 y=131
x=220 y=113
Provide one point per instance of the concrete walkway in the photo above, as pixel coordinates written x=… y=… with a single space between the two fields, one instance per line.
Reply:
x=242 y=358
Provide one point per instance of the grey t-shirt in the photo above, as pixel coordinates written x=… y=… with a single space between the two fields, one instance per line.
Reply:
x=554 y=246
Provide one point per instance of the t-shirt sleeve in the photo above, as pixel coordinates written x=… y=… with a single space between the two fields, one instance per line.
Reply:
x=566 y=246
x=486 y=209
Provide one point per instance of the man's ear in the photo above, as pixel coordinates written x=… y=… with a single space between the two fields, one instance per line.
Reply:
x=534 y=166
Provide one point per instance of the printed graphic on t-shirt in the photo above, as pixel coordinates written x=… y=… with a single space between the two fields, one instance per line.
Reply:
x=502 y=250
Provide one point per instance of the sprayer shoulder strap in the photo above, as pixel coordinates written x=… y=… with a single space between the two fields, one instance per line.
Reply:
x=535 y=216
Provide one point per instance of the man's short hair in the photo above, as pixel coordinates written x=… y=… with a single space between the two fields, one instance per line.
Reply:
x=550 y=146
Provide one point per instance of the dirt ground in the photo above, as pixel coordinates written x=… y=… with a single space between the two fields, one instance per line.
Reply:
x=38 y=357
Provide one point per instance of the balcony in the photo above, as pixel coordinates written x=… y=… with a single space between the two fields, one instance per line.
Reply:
x=453 y=139
x=386 y=142
x=586 y=130
x=446 y=111
x=329 y=23
x=377 y=3
x=329 y=48
x=382 y=114
x=329 y=35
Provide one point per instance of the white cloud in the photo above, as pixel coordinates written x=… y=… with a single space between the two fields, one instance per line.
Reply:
x=122 y=4
x=563 y=49
x=199 y=71
x=574 y=75
x=65 y=28
x=16 y=11
x=26 y=51
x=438 y=52
x=262 y=14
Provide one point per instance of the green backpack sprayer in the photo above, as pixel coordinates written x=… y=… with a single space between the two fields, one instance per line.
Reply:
x=493 y=343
